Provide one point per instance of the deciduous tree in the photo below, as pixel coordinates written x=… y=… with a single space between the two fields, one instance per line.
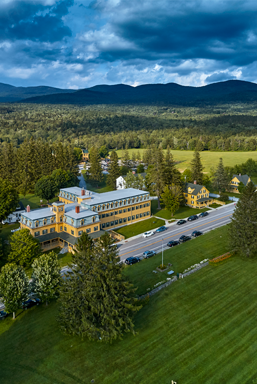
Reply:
x=46 y=277
x=24 y=248
x=9 y=199
x=45 y=188
x=14 y=287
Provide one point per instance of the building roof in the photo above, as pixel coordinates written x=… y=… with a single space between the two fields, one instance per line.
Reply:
x=84 y=150
x=83 y=212
x=197 y=188
x=203 y=199
x=242 y=179
x=38 y=213
x=67 y=237
x=100 y=198
x=77 y=192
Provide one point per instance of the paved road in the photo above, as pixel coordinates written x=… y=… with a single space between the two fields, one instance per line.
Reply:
x=137 y=246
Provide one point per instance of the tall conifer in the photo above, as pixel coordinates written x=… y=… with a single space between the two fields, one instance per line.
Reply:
x=197 y=168
x=96 y=173
x=114 y=170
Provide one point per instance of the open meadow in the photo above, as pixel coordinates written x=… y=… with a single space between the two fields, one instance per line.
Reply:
x=209 y=159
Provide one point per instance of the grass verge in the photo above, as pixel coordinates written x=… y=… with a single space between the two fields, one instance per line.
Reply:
x=187 y=330
x=34 y=201
x=100 y=187
x=140 y=227
x=207 y=246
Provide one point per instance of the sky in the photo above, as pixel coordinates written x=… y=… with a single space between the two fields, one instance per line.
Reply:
x=78 y=44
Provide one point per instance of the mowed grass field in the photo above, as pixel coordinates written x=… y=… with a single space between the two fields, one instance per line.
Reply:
x=201 y=329
x=209 y=159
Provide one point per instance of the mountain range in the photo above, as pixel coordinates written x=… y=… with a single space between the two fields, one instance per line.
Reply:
x=160 y=94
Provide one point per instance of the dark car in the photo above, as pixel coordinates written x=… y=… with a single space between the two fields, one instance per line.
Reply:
x=181 y=222
x=161 y=229
x=193 y=217
x=3 y=315
x=184 y=238
x=172 y=243
x=197 y=233
x=147 y=254
x=203 y=214
x=132 y=260
x=30 y=303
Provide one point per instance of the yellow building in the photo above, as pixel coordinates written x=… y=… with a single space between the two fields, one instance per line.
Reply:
x=85 y=155
x=197 y=196
x=236 y=180
x=80 y=211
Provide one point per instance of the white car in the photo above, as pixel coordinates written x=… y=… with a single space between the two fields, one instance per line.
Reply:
x=147 y=234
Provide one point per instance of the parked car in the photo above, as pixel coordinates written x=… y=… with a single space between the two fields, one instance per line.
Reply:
x=161 y=229
x=147 y=234
x=30 y=303
x=132 y=260
x=193 y=217
x=3 y=315
x=197 y=233
x=181 y=222
x=172 y=243
x=184 y=238
x=203 y=214
x=147 y=254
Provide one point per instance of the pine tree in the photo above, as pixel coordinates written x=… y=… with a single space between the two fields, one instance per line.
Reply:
x=243 y=228
x=46 y=277
x=114 y=170
x=155 y=175
x=197 y=168
x=221 y=179
x=96 y=301
x=96 y=173
x=169 y=168
x=14 y=287
x=138 y=156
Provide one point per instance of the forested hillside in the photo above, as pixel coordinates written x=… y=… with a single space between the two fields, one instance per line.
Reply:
x=226 y=127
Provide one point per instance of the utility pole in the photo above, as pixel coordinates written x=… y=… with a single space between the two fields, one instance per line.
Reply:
x=162 y=252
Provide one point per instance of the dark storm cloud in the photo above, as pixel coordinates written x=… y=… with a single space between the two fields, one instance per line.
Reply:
x=33 y=20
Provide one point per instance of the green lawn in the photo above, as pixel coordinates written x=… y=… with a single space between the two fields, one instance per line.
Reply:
x=100 y=187
x=201 y=329
x=181 y=213
x=208 y=246
x=214 y=205
x=140 y=227
x=34 y=201
x=209 y=159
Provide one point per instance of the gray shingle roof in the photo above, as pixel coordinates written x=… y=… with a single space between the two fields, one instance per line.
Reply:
x=197 y=188
x=242 y=179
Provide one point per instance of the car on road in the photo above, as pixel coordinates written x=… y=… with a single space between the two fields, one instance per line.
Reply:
x=172 y=243
x=3 y=315
x=181 y=222
x=197 y=233
x=184 y=238
x=132 y=260
x=147 y=254
x=193 y=217
x=147 y=234
x=161 y=229
x=30 y=303
x=203 y=214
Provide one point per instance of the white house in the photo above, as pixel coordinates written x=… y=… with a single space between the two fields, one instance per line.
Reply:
x=120 y=183
x=16 y=215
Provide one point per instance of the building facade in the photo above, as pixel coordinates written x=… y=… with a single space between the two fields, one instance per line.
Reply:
x=79 y=210
x=197 y=196
x=85 y=155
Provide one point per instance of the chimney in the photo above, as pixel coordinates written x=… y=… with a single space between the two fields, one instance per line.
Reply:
x=77 y=209
x=194 y=181
x=28 y=208
x=134 y=172
x=82 y=192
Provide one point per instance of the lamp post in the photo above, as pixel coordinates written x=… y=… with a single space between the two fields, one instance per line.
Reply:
x=162 y=252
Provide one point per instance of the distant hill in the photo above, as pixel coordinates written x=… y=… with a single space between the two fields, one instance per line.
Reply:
x=160 y=94
x=9 y=93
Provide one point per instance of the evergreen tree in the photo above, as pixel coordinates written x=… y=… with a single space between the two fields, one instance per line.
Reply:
x=197 y=168
x=221 y=179
x=155 y=175
x=169 y=168
x=243 y=228
x=96 y=301
x=24 y=248
x=14 y=287
x=140 y=168
x=126 y=158
x=46 y=277
x=114 y=170
x=96 y=173
x=9 y=199
x=84 y=243
x=138 y=156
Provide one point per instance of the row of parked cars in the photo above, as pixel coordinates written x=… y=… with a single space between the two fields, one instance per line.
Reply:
x=27 y=304
x=193 y=217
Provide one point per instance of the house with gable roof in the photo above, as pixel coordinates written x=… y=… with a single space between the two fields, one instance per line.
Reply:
x=197 y=196
x=236 y=180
